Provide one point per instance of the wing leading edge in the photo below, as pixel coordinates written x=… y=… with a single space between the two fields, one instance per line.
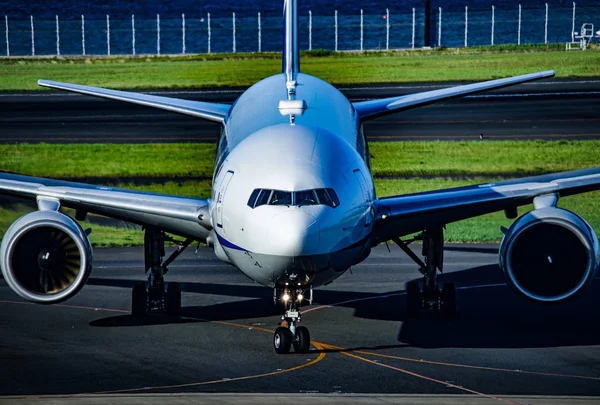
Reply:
x=405 y=214
x=209 y=111
x=179 y=215
x=377 y=108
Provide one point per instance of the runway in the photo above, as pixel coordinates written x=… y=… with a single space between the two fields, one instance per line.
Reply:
x=553 y=109
x=501 y=349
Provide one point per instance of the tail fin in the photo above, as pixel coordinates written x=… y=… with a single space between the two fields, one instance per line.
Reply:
x=291 y=49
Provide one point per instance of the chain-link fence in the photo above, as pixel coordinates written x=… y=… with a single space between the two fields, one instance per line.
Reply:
x=192 y=34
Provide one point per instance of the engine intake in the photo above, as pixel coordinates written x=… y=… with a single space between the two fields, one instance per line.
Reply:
x=549 y=255
x=46 y=257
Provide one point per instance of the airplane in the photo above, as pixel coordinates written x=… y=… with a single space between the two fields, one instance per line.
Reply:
x=293 y=206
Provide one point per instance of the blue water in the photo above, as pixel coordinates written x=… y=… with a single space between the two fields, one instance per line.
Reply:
x=246 y=37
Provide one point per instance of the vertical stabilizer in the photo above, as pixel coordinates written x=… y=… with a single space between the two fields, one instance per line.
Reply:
x=291 y=49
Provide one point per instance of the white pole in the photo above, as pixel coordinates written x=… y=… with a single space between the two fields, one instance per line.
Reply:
x=107 y=35
x=158 y=34
x=336 y=31
x=413 y=28
x=233 y=22
x=57 y=38
x=259 y=34
x=493 y=22
x=309 y=30
x=32 y=38
x=519 y=27
x=82 y=35
x=208 y=18
x=466 y=25
x=183 y=33
x=133 y=34
x=440 y=28
x=361 y=30
x=387 y=29
x=573 y=25
x=7 y=43
x=546 y=26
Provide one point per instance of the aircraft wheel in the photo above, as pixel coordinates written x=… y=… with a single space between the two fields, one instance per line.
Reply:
x=302 y=342
x=139 y=299
x=282 y=340
x=173 y=299
x=414 y=300
x=448 y=298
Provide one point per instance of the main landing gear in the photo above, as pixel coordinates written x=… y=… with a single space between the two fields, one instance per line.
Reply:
x=155 y=295
x=428 y=296
x=289 y=333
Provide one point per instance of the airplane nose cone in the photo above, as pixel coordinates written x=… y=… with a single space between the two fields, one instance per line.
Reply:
x=294 y=233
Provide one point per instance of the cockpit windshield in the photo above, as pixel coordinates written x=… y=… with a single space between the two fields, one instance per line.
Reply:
x=324 y=196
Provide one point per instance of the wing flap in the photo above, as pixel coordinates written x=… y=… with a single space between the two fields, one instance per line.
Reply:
x=377 y=108
x=405 y=214
x=209 y=111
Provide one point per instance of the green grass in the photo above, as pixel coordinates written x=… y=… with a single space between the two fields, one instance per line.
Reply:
x=432 y=158
x=338 y=68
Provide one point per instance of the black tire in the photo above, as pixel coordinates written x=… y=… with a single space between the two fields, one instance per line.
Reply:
x=282 y=340
x=448 y=301
x=414 y=300
x=139 y=299
x=302 y=342
x=173 y=299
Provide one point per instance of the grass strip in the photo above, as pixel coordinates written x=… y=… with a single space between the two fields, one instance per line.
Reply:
x=485 y=228
x=339 y=68
x=87 y=162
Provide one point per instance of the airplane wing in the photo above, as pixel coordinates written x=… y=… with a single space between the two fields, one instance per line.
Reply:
x=200 y=109
x=183 y=216
x=405 y=214
x=376 y=108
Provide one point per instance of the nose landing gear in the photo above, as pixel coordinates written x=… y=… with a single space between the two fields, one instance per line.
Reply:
x=289 y=333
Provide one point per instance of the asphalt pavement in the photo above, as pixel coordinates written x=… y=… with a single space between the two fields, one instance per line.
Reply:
x=550 y=109
x=501 y=348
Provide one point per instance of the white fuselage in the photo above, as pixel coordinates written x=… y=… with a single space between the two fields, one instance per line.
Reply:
x=262 y=149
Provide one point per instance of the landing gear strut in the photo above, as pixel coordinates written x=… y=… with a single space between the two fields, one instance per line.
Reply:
x=289 y=333
x=429 y=296
x=155 y=295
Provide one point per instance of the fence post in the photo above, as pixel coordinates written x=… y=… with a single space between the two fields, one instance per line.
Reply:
x=440 y=28
x=466 y=26
x=259 y=34
x=183 y=33
x=573 y=24
x=546 y=26
x=309 y=30
x=158 y=34
x=7 y=43
x=82 y=35
x=233 y=22
x=133 y=34
x=519 y=28
x=32 y=37
x=336 y=31
x=57 y=38
x=107 y=35
x=209 y=36
x=387 y=29
x=361 y=30
x=413 y=28
x=493 y=22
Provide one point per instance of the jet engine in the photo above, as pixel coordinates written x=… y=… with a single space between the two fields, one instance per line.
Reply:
x=549 y=254
x=46 y=257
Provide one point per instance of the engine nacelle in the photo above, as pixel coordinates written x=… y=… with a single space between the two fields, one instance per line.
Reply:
x=549 y=255
x=46 y=257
